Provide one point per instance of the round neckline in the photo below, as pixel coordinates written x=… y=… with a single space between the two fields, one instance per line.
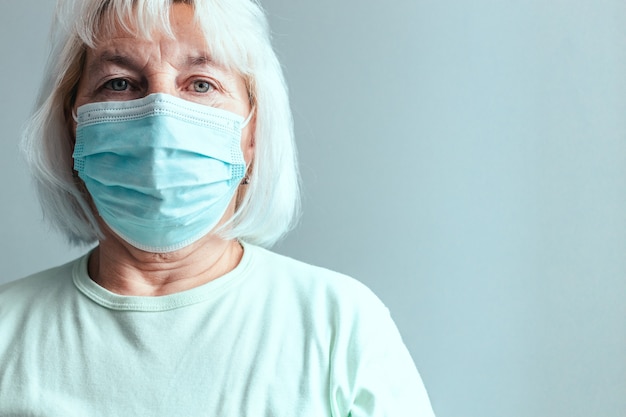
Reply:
x=201 y=293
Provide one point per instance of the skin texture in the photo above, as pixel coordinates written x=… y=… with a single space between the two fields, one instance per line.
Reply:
x=125 y=68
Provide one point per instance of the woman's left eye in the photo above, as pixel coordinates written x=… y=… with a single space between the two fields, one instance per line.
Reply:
x=202 y=86
x=117 y=84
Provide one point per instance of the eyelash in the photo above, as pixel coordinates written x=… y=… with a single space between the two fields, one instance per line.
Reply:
x=211 y=85
x=109 y=85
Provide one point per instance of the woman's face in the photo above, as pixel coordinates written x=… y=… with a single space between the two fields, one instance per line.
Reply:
x=126 y=68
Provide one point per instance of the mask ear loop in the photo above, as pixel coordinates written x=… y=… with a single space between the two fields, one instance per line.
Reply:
x=246 y=179
x=245 y=122
x=75 y=117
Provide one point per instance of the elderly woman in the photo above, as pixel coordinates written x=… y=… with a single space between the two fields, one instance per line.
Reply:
x=163 y=132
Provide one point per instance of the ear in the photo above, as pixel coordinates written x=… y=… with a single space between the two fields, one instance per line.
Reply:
x=69 y=113
x=248 y=142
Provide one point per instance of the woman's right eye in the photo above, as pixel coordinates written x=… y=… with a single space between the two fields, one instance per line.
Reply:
x=116 y=84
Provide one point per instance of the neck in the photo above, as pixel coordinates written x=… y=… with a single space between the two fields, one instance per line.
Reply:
x=125 y=270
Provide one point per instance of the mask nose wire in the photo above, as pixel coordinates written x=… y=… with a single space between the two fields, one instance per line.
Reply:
x=244 y=124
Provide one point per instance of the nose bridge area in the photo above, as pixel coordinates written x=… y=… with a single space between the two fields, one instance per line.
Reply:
x=162 y=80
x=162 y=72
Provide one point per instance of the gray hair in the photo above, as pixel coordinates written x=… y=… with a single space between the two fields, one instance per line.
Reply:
x=238 y=37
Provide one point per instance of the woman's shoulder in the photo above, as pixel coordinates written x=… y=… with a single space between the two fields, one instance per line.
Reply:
x=44 y=283
x=287 y=267
x=313 y=283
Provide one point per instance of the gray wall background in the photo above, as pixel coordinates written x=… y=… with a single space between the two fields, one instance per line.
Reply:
x=464 y=159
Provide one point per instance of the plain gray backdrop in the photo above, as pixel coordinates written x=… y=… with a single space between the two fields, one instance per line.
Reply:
x=464 y=159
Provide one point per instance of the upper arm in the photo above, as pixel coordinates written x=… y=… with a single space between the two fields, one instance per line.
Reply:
x=373 y=374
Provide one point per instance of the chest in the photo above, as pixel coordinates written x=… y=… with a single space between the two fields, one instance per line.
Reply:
x=169 y=365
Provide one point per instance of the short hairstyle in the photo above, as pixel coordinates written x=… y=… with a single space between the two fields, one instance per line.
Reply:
x=238 y=37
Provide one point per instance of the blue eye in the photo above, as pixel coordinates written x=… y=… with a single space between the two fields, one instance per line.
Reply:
x=202 y=86
x=117 y=84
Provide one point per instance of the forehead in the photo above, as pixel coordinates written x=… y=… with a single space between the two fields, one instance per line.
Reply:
x=182 y=33
x=177 y=20
x=175 y=25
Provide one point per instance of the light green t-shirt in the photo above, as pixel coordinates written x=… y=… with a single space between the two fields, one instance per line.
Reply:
x=274 y=337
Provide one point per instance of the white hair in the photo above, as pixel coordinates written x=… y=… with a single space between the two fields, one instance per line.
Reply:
x=238 y=37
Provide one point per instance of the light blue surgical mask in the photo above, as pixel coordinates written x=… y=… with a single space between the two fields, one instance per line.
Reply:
x=161 y=170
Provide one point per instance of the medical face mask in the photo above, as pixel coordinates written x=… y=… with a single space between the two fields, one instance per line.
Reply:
x=161 y=170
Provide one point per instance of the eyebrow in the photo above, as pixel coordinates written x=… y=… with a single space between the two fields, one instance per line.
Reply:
x=200 y=60
x=204 y=60
x=110 y=57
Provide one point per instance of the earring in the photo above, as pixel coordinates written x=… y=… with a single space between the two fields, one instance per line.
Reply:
x=245 y=180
